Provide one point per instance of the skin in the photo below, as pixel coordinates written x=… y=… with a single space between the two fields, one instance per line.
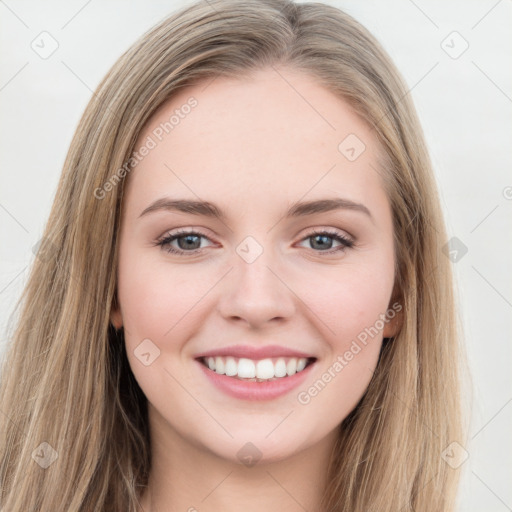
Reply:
x=252 y=146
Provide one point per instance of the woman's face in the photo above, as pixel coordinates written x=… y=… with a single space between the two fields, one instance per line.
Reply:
x=265 y=272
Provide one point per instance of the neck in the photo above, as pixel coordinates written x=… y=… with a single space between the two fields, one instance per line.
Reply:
x=191 y=478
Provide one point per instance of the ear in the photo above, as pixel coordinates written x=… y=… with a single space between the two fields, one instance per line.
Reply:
x=393 y=326
x=395 y=314
x=116 y=318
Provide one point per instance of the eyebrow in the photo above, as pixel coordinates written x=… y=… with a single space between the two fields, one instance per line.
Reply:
x=298 y=209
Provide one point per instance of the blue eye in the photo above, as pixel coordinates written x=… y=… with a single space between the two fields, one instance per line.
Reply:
x=320 y=239
x=186 y=240
x=190 y=242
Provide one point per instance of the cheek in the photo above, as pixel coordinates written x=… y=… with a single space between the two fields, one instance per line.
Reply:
x=158 y=298
x=349 y=300
x=349 y=309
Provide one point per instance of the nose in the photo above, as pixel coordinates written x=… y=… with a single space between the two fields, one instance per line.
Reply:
x=256 y=293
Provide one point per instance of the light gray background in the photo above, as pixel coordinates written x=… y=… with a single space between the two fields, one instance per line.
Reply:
x=465 y=106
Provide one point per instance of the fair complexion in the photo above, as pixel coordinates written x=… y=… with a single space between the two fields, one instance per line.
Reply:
x=253 y=147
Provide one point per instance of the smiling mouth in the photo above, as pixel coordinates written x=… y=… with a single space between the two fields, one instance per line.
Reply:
x=264 y=370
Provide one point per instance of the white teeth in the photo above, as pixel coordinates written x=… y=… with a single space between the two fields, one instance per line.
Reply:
x=291 y=367
x=246 y=369
x=219 y=365
x=264 y=369
x=280 y=368
x=231 y=367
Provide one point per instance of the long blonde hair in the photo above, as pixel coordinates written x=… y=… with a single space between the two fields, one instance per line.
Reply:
x=74 y=432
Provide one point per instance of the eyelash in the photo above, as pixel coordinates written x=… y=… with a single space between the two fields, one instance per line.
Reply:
x=165 y=242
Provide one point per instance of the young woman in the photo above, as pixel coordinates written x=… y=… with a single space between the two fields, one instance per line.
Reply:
x=240 y=300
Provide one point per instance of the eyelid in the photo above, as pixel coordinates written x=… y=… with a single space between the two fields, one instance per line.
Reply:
x=310 y=231
x=185 y=230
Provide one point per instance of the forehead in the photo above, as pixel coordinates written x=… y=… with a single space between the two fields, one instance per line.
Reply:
x=274 y=135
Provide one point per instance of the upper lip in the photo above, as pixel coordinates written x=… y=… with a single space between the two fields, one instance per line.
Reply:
x=255 y=353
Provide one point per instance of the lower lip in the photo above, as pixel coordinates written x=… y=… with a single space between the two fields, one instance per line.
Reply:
x=245 y=390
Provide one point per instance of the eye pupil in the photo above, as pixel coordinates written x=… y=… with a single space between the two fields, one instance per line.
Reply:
x=323 y=242
x=189 y=243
